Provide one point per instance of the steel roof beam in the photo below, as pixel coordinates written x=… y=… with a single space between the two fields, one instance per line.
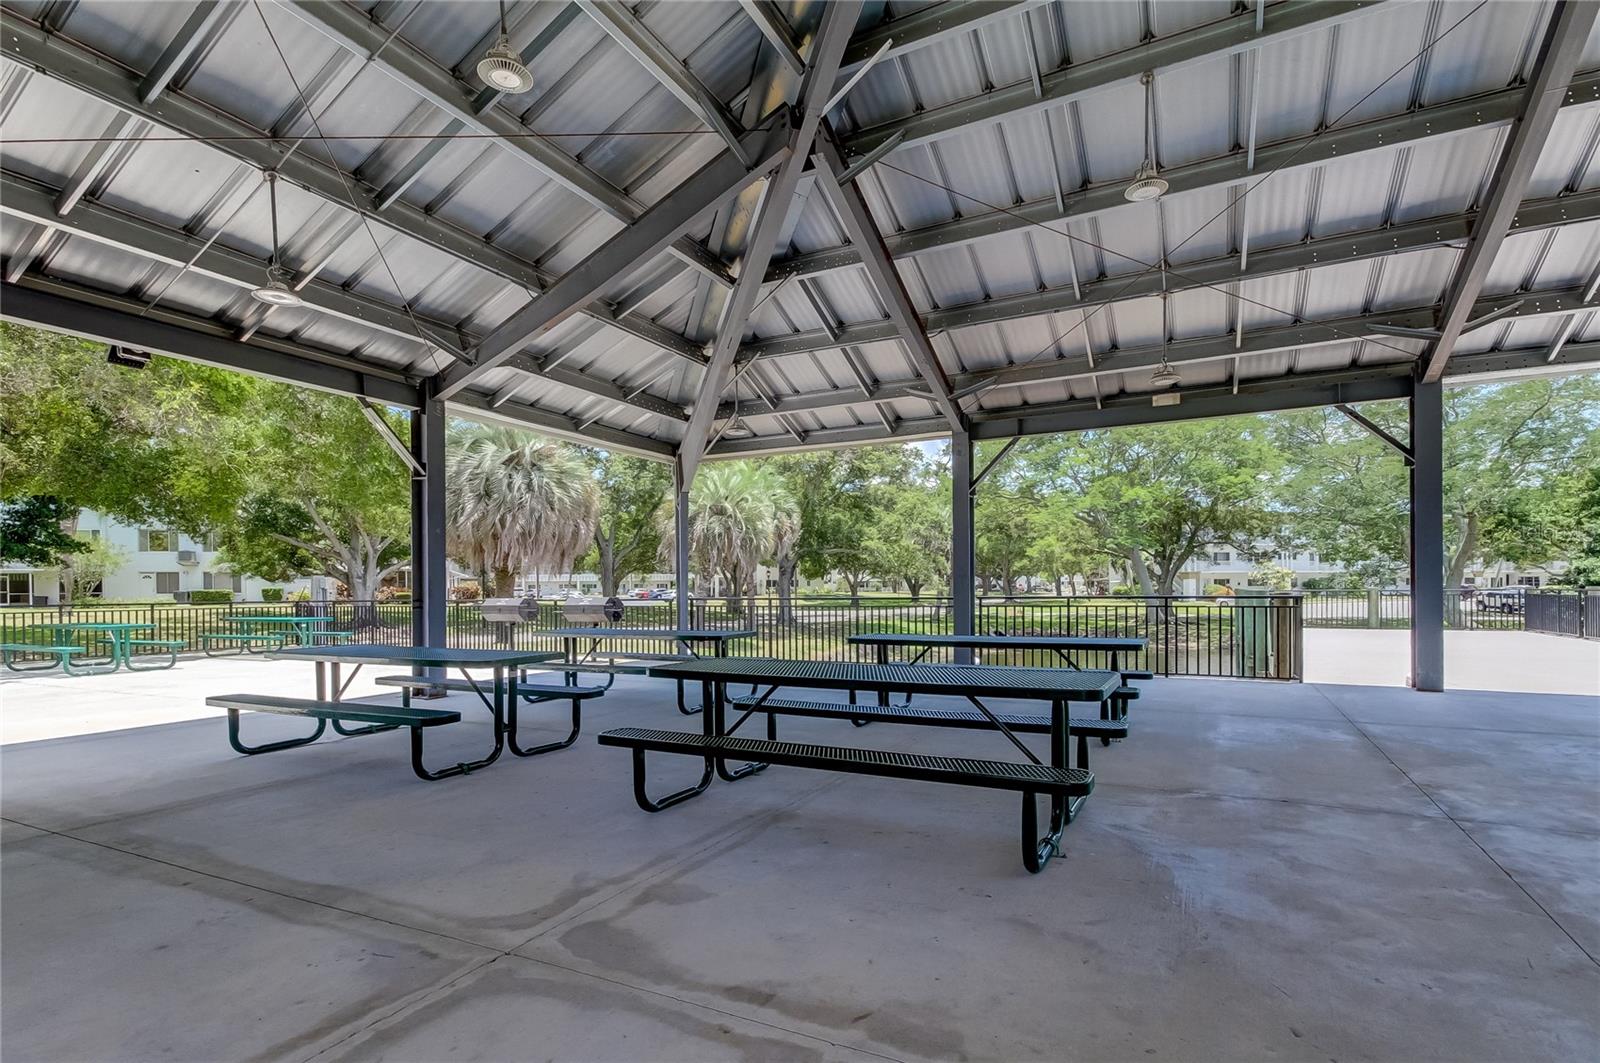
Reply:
x=483 y=407
x=672 y=73
x=1562 y=47
x=1225 y=36
x=931 y=25
x=1485 y=111
x=1368 y=384
x=1211 y=348
x=719 y=179
x=1361 y=246
x=822 y=67
x=352 y=30
x=775 y=29
x=851 y=207
x=68 y=63
x=23 y=198
x=206 y=15
x=110 y=318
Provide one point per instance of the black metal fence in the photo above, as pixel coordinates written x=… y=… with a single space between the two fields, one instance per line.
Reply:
x=1258 y=637
x=1557 y=611
x=1463 y=610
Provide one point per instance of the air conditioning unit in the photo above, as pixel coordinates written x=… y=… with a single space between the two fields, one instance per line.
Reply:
x=188 y=557
x=180 y=597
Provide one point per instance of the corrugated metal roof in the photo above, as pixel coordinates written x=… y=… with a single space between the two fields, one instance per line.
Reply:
x=600 y=107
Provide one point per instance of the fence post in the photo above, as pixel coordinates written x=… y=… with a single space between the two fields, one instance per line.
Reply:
x=1374 y=608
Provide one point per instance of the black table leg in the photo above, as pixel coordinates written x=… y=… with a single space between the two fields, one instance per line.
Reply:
x=497 y=709
x=718 y=711
x=1037 y=851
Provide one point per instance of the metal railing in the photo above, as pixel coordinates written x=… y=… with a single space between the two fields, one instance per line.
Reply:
x=1463 y=611
x=1559 y=611
x=1257 y=637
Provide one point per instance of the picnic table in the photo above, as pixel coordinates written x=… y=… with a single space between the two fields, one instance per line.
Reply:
x=119 y=635
x=302 y=627
x=687 y=638
x=501 y=698
x=1066 y=786
x=1062 y=645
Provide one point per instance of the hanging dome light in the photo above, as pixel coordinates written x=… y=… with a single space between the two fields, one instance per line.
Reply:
x=501 y=68
x=1147 y=184
x=276 y=292
x=1164 y=376
x=737 y=430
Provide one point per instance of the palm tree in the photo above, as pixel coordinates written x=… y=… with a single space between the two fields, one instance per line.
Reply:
x=516 y=502
x=739 y=516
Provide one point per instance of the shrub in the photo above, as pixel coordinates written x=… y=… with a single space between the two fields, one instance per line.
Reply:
x=1218 y=590
x=466 y=591
x=272 y=594
x=298 y=596
x=212 y=597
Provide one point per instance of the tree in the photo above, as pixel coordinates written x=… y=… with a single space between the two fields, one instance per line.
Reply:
x=145 y=446
x=627 y=534
x=326 y=494
x=32 y=530
x=92 y=564
x=733 y=524
x=1508 y=451
x=837 y=494
x=1063 y=547
x=910 y=541
x=516 y=502
x=1155 y=494
x=1005 y=524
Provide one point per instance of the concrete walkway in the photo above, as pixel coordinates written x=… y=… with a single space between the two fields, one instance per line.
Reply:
x=1473 y=660
x=1264 y=872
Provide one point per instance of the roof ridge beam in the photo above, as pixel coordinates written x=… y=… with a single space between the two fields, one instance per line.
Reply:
x=1234 y=33
x=1488 y=110
x=928 y=26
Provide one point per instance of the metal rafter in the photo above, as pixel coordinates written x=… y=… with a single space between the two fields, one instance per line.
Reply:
x=1366 y=245
x=201 y=21
x=1225 y=36
x=851 y=207
x=822 y=66
x=624 y=253
x=645 y=47
x=411 y=68
x=1296 y=336
x=931 y=25
x=1486 y=111
x=1563 y=45
x=767 y=19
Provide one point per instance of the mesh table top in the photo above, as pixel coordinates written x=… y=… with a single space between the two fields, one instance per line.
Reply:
x=979 y=681
x=669 y=634
x=441 y=656
x=1006 y=642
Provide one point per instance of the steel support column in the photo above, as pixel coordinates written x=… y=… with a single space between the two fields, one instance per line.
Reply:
x=963 y=551
x=680 y=542
x=1427 y=537
x=427 y=522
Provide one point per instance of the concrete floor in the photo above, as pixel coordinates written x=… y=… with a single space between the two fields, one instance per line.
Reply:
x=1264 y=872
x=1473 y=660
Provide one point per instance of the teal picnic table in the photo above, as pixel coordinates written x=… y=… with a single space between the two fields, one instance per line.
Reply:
x=120 y=636
x=303 y=627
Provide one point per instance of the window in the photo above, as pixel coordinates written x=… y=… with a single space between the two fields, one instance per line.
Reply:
x=18 y=588
x=158 y=540
x=1221 y=557
x=166 y=583
x=1224 y=583
x=1527 y=581
x=210 y=541
x=223 y=581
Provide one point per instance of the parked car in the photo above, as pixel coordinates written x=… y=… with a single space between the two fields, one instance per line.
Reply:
x=662 y=594
x=1502 y=599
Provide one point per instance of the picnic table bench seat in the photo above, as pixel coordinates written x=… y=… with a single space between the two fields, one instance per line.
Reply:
x=1081 y=728
x=1030 y=780
x=533 y=693
x=380 y=717
x=244 y=641
x=63 y=655
x=334 y=636
x=172 y=646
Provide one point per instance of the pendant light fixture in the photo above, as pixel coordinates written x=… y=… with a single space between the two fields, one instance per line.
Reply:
x=1147 y=184
x=1164 y=376
x=735 y=428
x=276 y=292
x=501 y=68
